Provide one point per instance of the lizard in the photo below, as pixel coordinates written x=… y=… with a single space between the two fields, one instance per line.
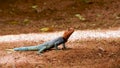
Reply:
x=49 y=44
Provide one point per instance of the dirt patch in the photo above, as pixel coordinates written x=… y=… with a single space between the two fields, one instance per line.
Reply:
x=80 y=54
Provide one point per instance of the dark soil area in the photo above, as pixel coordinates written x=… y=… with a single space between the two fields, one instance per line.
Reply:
x=26 y=16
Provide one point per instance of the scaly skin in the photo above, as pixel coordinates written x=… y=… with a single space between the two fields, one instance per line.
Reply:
x=48 y=45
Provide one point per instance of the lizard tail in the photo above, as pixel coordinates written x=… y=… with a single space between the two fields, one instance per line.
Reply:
x=29 y=48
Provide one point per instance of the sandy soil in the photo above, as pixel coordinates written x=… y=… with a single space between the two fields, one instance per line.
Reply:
x=77 y=35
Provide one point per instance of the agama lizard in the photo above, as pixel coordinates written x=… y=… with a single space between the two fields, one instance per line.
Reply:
x=48 y=45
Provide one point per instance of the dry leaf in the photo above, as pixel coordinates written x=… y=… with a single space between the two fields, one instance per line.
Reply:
x=80 y=17
x=46 y=29
x=14 y=22
x=26 y=21
x=34 y=6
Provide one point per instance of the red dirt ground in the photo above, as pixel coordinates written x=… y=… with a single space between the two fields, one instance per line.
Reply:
x=94 y=53
x=60 y=14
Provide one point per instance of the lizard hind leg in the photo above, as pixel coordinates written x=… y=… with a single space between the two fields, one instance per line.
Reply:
x=42 y=50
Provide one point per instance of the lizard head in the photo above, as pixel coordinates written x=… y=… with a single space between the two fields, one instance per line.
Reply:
x=68 y=33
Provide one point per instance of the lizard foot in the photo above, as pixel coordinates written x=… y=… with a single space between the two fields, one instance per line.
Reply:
x=64 y=48
x=38 y=53
x=57 y=49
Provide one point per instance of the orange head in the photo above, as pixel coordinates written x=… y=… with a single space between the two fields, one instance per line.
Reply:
x=67 y=33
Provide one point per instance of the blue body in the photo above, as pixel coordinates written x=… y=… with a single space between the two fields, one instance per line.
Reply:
x=44 y=46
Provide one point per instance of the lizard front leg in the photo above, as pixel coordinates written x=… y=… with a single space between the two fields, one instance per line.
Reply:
x=64 y=47
x=56 y=46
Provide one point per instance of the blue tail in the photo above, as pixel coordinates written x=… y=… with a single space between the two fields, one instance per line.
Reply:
x=29 y=48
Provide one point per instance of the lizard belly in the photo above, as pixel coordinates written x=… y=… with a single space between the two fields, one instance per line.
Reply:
x=49 y=44
x=46 y=45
